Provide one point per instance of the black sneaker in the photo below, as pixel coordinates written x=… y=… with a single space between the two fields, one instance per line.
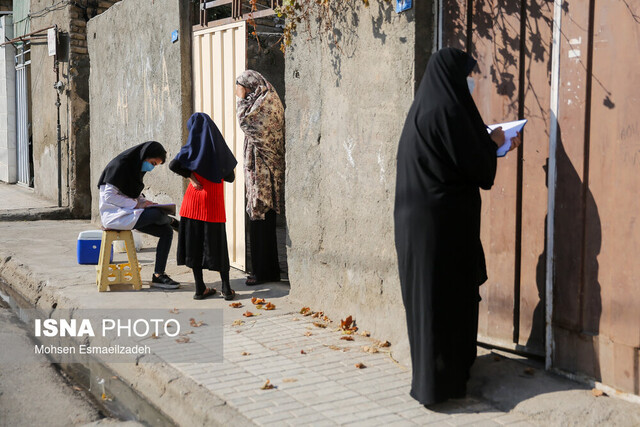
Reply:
x=164 y=282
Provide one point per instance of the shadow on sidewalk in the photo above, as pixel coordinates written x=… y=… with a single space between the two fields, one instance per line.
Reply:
x=505 y=384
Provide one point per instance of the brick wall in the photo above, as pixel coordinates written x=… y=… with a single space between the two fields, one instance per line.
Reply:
x=80 y=12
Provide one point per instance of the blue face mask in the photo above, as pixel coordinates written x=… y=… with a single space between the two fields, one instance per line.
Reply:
x=147 y=167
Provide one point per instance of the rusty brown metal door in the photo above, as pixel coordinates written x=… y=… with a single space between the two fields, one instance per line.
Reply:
x=588 y=125
x=511 y=42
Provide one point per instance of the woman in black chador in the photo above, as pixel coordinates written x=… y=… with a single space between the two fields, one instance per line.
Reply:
x=445 y=155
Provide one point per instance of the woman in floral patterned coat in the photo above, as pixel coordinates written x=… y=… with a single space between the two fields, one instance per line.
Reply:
x=261 y=117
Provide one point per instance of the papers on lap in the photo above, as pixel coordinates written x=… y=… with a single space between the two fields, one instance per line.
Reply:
x=169 y=208
x=510 y=130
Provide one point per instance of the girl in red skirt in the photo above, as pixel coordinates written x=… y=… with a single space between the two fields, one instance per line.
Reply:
x=206 y=161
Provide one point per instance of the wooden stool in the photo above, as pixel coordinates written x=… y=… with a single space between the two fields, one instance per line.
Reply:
x=116 y=274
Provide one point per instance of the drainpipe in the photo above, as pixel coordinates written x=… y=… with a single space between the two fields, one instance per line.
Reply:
x=552 y=180
x=58 y=87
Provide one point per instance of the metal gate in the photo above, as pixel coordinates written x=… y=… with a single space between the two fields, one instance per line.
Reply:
x=512 y=82
x=22 y=62
x=219 y=56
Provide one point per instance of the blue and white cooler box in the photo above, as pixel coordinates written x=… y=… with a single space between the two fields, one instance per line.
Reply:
x=88 y=248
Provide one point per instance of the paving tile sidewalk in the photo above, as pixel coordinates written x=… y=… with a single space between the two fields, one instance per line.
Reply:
x=322 y=386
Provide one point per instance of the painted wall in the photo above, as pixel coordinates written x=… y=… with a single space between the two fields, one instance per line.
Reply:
x=346 y=107
x=140 y=87
x=8 y=159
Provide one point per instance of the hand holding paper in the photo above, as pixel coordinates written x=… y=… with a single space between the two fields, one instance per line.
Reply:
x=510 y=130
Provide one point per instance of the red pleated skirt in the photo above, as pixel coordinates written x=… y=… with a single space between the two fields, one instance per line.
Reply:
x=206 y=204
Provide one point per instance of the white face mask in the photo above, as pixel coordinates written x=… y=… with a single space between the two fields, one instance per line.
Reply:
x=471 y=83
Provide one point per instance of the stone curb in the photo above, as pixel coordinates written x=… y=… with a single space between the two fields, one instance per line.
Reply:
x=178 y=397
x=35 y=214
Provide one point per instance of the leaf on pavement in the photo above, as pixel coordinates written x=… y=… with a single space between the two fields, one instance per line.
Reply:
x=248 y=314
x=360 y=365
x=174 y=311
x=235 y=304
x=267 y=386
x=384 y=344
x=183 y=340
x=194 y=323
x=237 y=322
x=347 y=338
x=256 y=301
x=269 y=306
x=308 y=334
x=319 y=325
x=289 y=380
x=245 y=353
x=597 y=393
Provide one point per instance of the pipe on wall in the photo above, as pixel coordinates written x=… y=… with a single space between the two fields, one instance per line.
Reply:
x=551 y=180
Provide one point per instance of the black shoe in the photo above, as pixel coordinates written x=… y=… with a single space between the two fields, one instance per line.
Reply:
x=227 y=293
x=164 y=282
x=175 y=224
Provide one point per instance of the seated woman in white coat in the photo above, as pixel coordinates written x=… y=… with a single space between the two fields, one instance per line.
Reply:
x=123 y=207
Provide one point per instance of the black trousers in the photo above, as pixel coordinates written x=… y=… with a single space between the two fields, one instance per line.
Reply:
x=264 y=248
x=156 y=222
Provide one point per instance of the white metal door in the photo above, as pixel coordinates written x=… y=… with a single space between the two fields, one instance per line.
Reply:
x=22 y=114
x=219 y=56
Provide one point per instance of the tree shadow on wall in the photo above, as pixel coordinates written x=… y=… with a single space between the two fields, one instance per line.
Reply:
x=498 y=22
x=338 y=25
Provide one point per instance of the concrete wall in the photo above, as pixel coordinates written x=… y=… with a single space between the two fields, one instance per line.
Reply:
x=74 y=104
x=8 y=159
x=140 y=87
x=346 y=108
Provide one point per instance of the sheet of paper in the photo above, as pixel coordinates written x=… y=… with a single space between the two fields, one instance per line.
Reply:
x=510 y=130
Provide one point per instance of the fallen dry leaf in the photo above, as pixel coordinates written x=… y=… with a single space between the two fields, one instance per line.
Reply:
x=334 y=347
x=154 y=336
x=269 y=306
x=317 y=314
x=245 y=353
x=248 y=314
x=289 y=380
x=183 y=340
x=303 y=352
x=186 y=333
x=236 y=304
x=368 y=349
x=194 y=323
x=326 y=318
x=529 y=371
x=295 y=319
x=256 y=301
x=597 y=393
x=347 y=338
x=365 y=333
x=384 y=344
x=174 y=311
x=307 y=334
x=319 y=325
x=267 y=386
x=259 y=306
x=360 y=365
x=237 y=322
x=305 y=311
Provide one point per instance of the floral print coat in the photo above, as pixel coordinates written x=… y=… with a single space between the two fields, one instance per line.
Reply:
x=261 y=118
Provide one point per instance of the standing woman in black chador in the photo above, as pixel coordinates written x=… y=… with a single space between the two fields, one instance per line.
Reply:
x=445 y=155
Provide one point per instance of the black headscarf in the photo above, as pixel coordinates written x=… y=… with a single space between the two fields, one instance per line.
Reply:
x=445 y=127
x=206 y=152
x=125 y=171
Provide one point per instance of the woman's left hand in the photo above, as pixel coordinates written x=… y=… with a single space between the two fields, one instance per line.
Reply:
x=194 y=181
x=516 y=141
